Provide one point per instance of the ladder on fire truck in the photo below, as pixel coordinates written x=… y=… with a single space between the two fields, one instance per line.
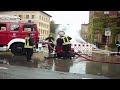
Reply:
x=9 y=18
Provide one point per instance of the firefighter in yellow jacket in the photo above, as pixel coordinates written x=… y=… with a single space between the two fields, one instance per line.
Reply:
x=66 y=44
x=29 y=45
x=51 y=43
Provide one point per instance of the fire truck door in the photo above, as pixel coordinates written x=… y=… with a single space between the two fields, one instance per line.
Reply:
x=14 y=31
x=27 y=28
x=3 y=34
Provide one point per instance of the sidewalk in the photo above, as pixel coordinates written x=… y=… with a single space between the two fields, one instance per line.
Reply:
x=101 y=51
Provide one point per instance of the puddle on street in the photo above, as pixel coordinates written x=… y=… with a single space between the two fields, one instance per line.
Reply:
x=72 y=66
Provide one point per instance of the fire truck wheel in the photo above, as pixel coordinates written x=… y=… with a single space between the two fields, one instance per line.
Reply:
x=17 y=49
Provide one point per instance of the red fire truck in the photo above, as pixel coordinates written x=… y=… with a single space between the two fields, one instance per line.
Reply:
x=12 y=34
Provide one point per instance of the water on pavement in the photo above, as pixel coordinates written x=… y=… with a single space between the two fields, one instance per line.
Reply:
x=73 y=66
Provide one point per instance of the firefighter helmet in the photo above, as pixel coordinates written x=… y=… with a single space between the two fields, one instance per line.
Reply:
x=51 y=35
x=61 y=33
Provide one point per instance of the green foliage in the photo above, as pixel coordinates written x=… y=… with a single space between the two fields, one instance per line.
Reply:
x=98 y=24
x=53 y=27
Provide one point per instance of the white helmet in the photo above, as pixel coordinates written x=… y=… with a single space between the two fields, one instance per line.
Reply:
x=61 y=33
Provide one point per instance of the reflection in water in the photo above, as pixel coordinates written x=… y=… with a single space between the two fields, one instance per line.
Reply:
x=108 y=70
x=72 y=66
x=78 y=68
x=62 y=65
x=104 y=69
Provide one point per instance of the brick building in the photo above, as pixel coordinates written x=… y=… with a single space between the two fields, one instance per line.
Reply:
x=99 y=20
x=84 y=32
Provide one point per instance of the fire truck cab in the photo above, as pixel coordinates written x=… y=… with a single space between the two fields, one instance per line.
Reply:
x=12 y=35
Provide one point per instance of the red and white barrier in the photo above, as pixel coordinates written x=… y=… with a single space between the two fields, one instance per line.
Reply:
x=83 y=48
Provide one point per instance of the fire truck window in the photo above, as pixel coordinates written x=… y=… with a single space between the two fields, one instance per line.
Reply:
x=28 y=28
x=14 y=27
x=2 y=26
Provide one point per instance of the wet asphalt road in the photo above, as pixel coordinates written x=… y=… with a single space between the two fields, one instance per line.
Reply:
x=58 y=68
x=20 y=72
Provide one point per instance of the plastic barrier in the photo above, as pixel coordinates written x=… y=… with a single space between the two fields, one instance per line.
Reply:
x=83 y=48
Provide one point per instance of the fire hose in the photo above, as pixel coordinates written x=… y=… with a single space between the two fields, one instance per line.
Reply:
x=50 y=46
x=88 y=59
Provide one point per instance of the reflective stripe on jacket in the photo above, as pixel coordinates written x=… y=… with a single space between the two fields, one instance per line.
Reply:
x=27 y=43
x=66 y=41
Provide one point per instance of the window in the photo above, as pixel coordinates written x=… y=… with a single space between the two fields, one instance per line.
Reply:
x=39 y=24
x=48 y=19
x=20 y=16
x=28 y=27
x=98 y=11
x=44 y=18
x=40 y=17
x=33 y=16
x=106 y=12
x=14 y=27
x=41 y=31
x=45 y=31
x=27 y=16
x=118 y=24
x=2 y=26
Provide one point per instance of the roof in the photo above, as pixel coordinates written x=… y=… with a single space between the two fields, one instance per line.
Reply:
x=46 y=13
x=84 y=24
x=40 y=11
x=18 y=22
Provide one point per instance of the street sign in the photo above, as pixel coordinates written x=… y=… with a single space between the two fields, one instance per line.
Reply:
x=107 y=32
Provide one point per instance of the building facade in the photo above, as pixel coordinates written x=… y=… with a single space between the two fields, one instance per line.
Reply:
x=84 y=32
x=99 y=21
x=41 y=18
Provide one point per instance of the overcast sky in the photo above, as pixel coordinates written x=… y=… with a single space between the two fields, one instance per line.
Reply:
x=74 y=19
x=70 y=17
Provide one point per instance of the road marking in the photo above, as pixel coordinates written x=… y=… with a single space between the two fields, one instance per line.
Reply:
x=3 y=68
x=87 y=78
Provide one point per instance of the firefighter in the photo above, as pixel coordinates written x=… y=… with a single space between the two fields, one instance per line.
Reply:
x=118 y=46
x=66 y=44
x=51 y=43
x=29 y=45
x=58 y=47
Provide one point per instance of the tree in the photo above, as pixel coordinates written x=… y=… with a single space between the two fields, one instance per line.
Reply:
x=53 y=26
x=103 y=22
